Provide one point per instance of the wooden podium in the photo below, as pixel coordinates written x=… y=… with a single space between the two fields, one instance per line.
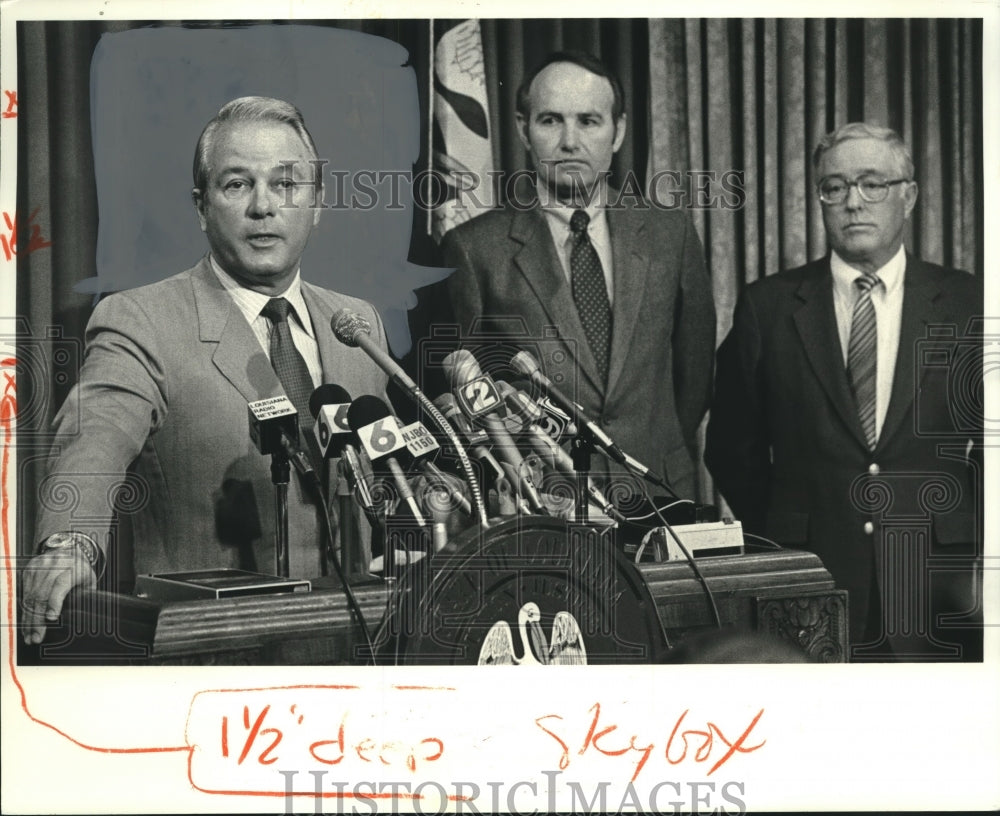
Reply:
x=785 y=594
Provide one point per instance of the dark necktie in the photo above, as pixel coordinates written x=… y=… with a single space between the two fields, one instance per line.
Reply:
x=862 y=355
x=589 y=292
x=293 y=372
x=288 y=363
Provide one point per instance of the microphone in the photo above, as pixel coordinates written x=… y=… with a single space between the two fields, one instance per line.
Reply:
x=382 y=439
x=274 y=430
x=479 y=399
x=476 y=438
x=328 y=404
x=530 y=413
x=553 y=419
x=359 y=483
x=353 y=330
x=525 y=364
x=423 y=447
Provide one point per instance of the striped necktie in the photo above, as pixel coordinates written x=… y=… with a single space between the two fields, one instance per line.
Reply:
x=862 y=355
x=590 y=292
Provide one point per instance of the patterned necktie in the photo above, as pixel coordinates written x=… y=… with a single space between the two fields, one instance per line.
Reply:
x=589 y=292
x=861 y=355
x=288 y=363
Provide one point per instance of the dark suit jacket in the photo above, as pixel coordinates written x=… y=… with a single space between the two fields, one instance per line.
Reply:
x=785 y=444
x=163 y=393
x=663 y=332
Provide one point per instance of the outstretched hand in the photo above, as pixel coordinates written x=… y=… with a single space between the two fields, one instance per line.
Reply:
x=46 y=581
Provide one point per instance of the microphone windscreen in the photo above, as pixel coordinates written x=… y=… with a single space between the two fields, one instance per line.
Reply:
x=347 y=325
x=524 y=363
x=460 y=367
x=445 y=402
x=365 y=410
x=327 y=394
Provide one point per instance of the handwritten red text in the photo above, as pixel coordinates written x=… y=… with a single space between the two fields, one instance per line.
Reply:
x=696 y=744
x=9 y=239
x=253 y=738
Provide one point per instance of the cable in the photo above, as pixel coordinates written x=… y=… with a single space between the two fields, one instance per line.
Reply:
x=657 y=511
x=774 y=545
x=352 y=601
x=687 y=555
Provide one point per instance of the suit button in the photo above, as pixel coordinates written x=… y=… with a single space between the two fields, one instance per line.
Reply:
x=869 y=528
x=874 y=469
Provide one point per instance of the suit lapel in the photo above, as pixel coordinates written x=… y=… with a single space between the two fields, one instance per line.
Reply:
x=540 y=265
x=816 y=323
x=631 y=268
x=919 y=294
x=220 y=322
x=332 y=352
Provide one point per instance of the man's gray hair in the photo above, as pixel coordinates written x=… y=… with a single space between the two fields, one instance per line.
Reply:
x=247 y=109
x=863 y=130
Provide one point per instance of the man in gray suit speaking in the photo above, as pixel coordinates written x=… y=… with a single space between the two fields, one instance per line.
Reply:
x=154 y=435
x=623 y=283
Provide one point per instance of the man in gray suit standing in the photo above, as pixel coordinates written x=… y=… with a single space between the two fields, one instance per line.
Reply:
x=623 y=284
x=161 y=404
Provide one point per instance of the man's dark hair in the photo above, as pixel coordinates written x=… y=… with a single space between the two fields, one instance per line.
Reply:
x=586 y=61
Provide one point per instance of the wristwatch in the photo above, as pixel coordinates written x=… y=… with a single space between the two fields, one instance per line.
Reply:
x=84 y=543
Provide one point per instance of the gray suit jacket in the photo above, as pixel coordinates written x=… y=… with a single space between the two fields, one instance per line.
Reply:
x=162 y=396
x=509 y=280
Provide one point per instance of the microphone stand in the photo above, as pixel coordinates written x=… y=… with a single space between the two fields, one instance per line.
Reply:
x=280 y=474
x=581 y=450
x=348 y=541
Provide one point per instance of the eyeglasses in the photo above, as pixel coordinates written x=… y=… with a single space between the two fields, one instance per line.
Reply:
x=835 y=189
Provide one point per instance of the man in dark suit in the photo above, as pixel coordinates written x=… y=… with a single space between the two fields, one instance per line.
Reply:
x=623 y=285
x=834 y=424
x=155 y=432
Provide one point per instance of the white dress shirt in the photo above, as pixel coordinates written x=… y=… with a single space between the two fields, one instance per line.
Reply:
x=250 y=304
x=558 y=215
x=888 y=302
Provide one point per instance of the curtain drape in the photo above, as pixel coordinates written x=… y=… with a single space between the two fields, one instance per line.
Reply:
x=751 y=96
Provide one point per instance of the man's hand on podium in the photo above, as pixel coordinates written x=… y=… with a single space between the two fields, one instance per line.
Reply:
x=46 y=581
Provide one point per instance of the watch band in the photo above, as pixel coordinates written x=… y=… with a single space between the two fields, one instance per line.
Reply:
x=84 y=543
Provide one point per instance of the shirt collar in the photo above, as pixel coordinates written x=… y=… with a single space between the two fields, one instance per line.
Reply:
x=891 y=274
x=562 y=213
x=250 y=302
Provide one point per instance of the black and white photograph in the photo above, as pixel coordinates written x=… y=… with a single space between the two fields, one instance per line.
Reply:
x=352 y=361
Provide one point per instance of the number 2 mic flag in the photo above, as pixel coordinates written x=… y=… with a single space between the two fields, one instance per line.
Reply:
x=463 y=148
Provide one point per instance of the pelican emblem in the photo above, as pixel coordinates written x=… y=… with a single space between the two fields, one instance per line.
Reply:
x=564 y=648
